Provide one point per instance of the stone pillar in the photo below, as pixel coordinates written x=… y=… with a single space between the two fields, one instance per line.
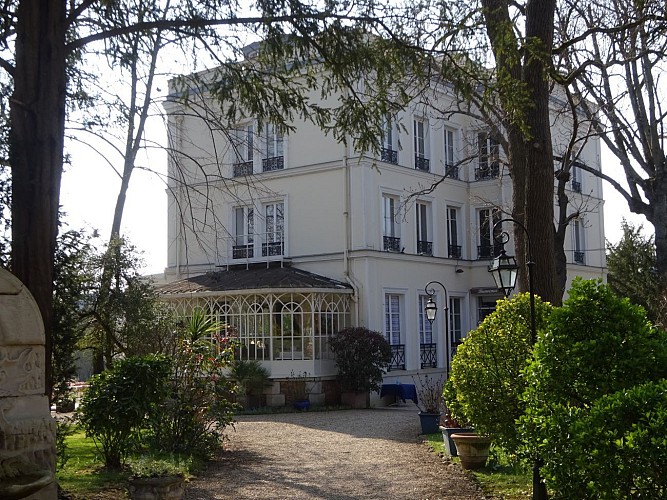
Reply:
x=27 y=430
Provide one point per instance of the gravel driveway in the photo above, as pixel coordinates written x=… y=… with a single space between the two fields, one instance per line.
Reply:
x=349 y=454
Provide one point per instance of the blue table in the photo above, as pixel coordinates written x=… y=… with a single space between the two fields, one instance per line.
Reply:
x=400 y=391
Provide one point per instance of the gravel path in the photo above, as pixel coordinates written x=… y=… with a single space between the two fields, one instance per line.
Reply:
x=344 y=455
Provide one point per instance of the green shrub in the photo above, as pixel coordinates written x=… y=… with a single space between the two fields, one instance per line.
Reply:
x=252 y=378
x=362 y=357
x=486 y=380
x=615 y=449
x=596 y=349
x=191 y=420
x=115 y=406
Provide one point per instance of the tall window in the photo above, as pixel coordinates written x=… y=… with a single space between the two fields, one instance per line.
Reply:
x=389 y=152
x=455 y=320
x=578 y=241
x=489 y=157
x=392 y=315
x=488 y=246
x=424 y=245
x=450 y=170
x=420 y=127
x=275 y=228
x=575 y=179
x=244 y=229
x=391 y=230
x=453 y=245
x=274 y=157
x=485 y=306
x=425 y=327
x=243 y=149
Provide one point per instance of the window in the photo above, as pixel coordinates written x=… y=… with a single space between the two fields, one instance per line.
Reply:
x=275 y=227
x=388 y=152
x=424 y=246
x=427 y=345
x=485 y=306
x=455 y=321
x=421 y=144
x=274 y=159
x=575 y=179
x=392 y=315
x=488 y=157
x=391 y=231
x=451 y=170
x=244 y=229
x=243 y=148
x=453 y=246
x=488 y=245
x=578 y=241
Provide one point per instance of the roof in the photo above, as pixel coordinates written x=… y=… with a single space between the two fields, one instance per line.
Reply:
x=253 y=278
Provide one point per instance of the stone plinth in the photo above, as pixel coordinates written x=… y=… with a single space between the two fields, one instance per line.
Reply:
x=27 y=430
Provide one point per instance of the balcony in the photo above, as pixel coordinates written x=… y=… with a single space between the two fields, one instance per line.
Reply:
x=389 y=155
x=488 y=172
x=243 y=251
x=425 y=248
x=579 y=258
x=428 y=355
x=391 y=244
x=273 y=249
x=576 y=186
x=422 y=164
x=454 y=251
x=452 y=172
x=242 y=168
x=489 y=251
x=397 y=357
x=274 y=163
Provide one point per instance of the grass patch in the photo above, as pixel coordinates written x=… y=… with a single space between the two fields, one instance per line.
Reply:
x=84 y=473
x=502 y=477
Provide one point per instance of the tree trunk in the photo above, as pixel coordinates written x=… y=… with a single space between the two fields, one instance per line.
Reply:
x=36 y=150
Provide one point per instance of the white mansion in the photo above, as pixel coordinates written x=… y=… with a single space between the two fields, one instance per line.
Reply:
x=288 y=239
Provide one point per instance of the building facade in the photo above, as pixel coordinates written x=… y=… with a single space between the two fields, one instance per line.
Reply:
x=287 y=239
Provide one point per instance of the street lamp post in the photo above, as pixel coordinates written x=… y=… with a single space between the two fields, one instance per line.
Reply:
x=431 y=310
x=504 y=270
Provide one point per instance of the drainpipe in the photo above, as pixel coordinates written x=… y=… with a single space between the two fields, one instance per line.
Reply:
x=356 y=298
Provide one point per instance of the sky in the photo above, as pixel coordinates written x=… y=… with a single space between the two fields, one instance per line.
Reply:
x=90 y=187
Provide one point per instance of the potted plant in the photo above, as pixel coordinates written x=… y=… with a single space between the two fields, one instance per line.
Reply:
x=252 y=378
x=451 y=426
x=362 y=357
x=157 y=478
x=473 y=449
x=297 y=388
x=429 y=393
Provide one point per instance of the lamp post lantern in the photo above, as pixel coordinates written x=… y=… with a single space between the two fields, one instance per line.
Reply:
x=431 y=310
x=504 y=270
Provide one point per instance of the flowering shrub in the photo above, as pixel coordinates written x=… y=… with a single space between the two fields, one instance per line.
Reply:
x=199 y=407
x=362 y=356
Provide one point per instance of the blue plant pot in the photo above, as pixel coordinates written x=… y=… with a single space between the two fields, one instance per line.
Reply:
x=430 y=422
x=302 y=404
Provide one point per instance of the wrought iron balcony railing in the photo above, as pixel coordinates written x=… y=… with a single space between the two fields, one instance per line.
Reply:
x=452 y=171
x=242 y=168
x=579 y=257
x=428 y=354
x=489 y=251
x=273 y=248
x=422 y=164
x=425 y=247
x=389 y=155
x=274 y=163
x=454 y=251
x=488 y=172
x=243 y=251
x=397 y=357
x=576 y=186
x=391 y=243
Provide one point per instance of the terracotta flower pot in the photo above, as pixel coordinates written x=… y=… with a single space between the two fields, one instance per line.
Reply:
x=157 y=488
x=473 y=449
